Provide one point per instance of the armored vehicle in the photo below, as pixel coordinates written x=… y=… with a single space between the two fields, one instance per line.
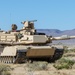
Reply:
x=18 y=46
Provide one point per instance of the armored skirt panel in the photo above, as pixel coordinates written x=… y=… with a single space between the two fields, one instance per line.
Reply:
x=40 y=52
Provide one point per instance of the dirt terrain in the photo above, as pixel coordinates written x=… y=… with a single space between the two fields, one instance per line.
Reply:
x=21 y=70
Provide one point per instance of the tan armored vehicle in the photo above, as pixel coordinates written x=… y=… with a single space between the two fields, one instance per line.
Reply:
x=17 y=46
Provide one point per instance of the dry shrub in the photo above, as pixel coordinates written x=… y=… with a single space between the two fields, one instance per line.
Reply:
x=37 y=66
x=4 y=69
x=67 y=50
x=72 y=54
x=63 y=63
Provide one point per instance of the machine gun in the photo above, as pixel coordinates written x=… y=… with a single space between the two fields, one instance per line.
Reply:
x=28 y=24
x=29 y=21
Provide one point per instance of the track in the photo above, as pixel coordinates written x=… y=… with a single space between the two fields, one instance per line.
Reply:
x=58 y=54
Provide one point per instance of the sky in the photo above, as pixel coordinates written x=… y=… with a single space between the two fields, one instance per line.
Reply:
x=50 y=14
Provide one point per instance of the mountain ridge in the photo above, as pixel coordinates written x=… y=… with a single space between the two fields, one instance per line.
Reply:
x=57 y=32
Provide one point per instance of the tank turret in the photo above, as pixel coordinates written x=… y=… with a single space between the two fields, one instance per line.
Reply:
x=18 y=46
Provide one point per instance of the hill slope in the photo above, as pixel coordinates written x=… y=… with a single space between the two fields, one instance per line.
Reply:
x=56 y=32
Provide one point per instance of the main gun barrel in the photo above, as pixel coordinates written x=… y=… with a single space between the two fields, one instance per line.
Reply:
x=63 y=37
x=32 y=20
